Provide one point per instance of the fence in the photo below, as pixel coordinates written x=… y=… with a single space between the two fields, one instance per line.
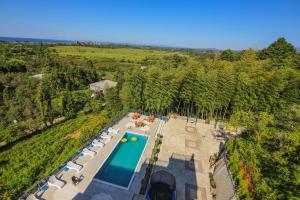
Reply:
x=221 y=165
x=230 y=175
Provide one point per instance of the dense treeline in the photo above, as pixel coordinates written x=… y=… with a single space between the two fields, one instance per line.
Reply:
x=216 y=87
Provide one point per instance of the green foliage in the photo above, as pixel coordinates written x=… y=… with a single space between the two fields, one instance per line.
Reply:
x=242 y=119
x=280 y=52
x=13 y=65
x=132 y=93
x=159 y=92
x=34 y=158
x=229 y=55
x=44 y=101
x=271 y=155
x=289 y=118
x=71 y=78
x=214 y=90
x=173 y=61
x=68 y=105
x=113 y=102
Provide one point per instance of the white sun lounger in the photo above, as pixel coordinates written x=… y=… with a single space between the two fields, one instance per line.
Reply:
x=74 y=166
x=106 y=136
x=113 y=131
x=88 y=152
x=32 y=197
x=97 y=143
x=53 y=181
x=107 y=133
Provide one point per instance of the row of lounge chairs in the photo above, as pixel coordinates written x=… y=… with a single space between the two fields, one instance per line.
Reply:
x=53 y=181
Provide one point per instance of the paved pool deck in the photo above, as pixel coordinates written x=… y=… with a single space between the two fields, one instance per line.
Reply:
x=185 y=152
x=90 y=189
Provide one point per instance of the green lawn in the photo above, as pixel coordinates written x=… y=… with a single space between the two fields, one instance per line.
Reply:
x=132 y=54
x=28 y=161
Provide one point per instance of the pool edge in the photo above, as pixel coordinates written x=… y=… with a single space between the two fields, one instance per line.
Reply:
x=138 y=163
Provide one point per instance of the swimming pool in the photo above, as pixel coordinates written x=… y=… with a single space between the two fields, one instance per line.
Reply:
x=120 y=166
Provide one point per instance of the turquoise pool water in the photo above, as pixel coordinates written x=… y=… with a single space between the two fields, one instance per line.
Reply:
x=119 y=167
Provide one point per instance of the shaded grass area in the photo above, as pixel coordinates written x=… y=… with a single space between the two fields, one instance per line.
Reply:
x=30 y=160
x=132 y=54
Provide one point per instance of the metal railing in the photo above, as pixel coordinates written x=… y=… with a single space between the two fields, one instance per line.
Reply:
x=230 y=175
x=221 y=166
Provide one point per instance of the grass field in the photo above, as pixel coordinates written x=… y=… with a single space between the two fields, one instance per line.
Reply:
x=32 y=159
x=132 y=54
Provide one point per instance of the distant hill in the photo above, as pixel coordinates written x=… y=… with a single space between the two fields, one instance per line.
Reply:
x=298 y=49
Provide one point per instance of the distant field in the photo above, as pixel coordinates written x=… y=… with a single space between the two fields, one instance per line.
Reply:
x=132 y=54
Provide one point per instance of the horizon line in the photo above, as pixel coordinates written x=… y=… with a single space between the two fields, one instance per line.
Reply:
x=119 y=43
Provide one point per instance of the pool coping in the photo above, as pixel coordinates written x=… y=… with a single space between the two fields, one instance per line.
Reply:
x=138 y=163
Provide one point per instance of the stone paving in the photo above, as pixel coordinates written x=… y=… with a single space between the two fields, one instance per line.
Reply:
x=185 y=153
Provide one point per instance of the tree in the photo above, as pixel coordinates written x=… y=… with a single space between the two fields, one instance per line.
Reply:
x=187 y=93
x=160 y=91
x=296 y=61
x=173 y=61
x=132 y=93
x=44 y=101
x=229 y=55
x=120 y=79
x=113 y=102
x=68 y=105
x=280 y=52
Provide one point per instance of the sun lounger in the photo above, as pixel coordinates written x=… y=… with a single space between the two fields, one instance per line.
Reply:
x=106 y=136
x=32 y=197
x=53 y=181
x=74 y=166
x=113 y=131
x=108 y=133
x=97 y=143
x=88 y=152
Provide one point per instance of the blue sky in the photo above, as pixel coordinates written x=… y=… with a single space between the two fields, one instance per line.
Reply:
x=235 y=24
